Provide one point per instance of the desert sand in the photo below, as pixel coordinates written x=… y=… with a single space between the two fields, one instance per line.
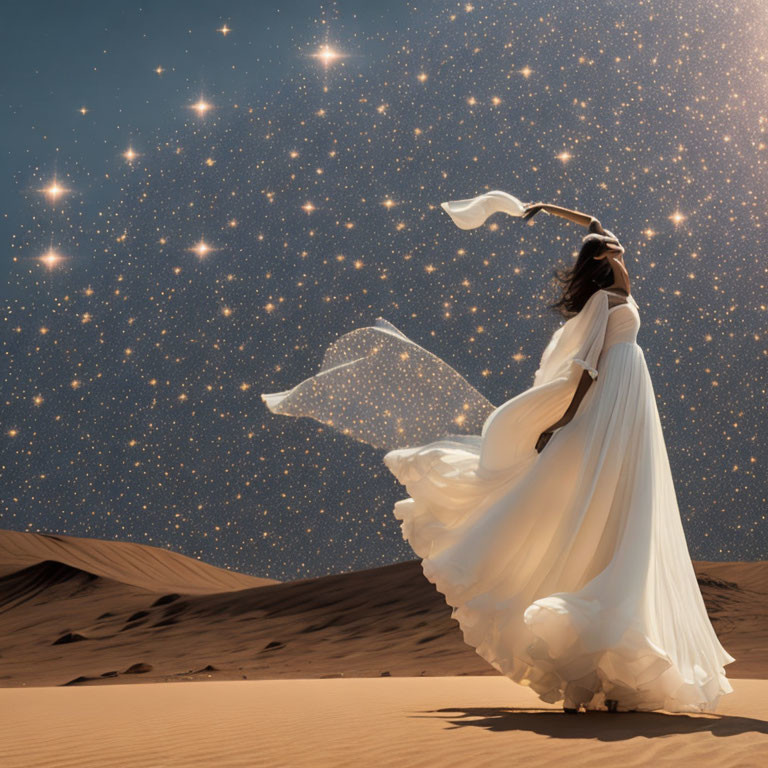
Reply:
x=275 y=673
x=405 y=722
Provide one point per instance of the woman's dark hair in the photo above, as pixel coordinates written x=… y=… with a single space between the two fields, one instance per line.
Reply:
x=580 y=281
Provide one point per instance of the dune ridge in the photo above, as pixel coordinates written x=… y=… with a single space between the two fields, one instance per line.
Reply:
x=61 y=624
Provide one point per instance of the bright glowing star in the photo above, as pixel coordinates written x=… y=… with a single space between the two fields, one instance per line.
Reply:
x=677 y=218
x=37 y=399
x=201 y=248
x=54 y=191
x=159 y=70
x=389 y=203
x=471 y=101
x=83 y=111
x=201 y=107
x=469 y=7
x=294 y=154
x=75 y=383
x=526 y=72
x=649 y=233
x=177 y=270
x=209 y=161
x=130 y=155
x=327 y=55
x=182 y=397
x=225 y=30
x=564 y=157
x=13 y=432
x=422 y=77
x=245 y=386
x=86 y=317
x=495 y=101
x=88 y=291
x=153 y=382
x=233 y=223
x=308 y=207
x=128 y=352
x=429 y=269
x=51 y=258
x=269 y=307
x=226 y=311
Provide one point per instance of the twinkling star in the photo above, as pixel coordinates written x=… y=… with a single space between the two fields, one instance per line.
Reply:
x=564 y=156
x=54 y=191
x=51 y=258
x=201 y=106
x=201 y=248
x=677 y=218
x=327 y=55
x=130 y=155
x=224 y=30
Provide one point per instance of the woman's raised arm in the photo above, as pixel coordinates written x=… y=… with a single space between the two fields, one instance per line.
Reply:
x=582 y=219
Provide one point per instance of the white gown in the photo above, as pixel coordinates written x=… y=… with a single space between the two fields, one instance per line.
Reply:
x=568 y=571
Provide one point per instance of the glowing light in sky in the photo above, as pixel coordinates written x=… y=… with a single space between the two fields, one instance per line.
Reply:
x=201 y=248
x=308 y=207
x=677 y=218
x=564 y=156
x=526 y=72
x=130 y=155
x=51 y=258
x=54 y=191
x=225 y=30
x=201 y=106
x=327 y=55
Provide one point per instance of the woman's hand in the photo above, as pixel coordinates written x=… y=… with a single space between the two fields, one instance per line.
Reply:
x=544 y=438
x=531 y=209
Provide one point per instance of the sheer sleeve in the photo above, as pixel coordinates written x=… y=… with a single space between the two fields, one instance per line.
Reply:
x=379 y=387
x=577 y=342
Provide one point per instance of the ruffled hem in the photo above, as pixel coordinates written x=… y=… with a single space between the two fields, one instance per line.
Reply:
x=635 y=672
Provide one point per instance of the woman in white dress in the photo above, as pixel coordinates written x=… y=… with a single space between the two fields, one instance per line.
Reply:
x=552 y=527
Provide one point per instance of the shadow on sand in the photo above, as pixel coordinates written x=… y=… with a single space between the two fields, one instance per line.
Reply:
x=602 y=726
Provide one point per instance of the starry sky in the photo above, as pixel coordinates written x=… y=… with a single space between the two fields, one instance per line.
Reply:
x=197 y=199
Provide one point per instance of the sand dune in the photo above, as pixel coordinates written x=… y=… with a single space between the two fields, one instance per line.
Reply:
x=75 y=621
x=455 y=722
x=138 y=565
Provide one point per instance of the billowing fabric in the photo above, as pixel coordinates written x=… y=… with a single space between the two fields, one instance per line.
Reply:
x=568 y=571
x=471 y=213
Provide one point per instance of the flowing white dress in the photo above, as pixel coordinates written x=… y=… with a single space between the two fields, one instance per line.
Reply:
x=568 y=571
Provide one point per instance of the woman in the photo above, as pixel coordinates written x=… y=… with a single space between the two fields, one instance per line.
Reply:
x=552 y=528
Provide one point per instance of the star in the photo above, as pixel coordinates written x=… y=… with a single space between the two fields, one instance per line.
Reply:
x=526 y=71
x=54 y=191
x=130 y=155
x=308 y=207
x=225 y=30
x=201 y=106
x=51 y=258
x=564 y=156
x=677 y=218
x=327 y=55
x=201 y=248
